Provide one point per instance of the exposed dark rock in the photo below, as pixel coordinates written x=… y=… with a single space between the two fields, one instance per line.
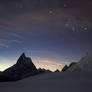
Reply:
x=23 y=68
x=65 y=68
x=71 y=64
x=57 y=70
x=40 y=71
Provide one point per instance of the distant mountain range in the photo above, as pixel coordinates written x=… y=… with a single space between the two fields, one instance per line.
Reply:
x=24 y=67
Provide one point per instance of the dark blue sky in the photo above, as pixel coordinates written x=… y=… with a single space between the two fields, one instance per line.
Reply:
x=52 y=32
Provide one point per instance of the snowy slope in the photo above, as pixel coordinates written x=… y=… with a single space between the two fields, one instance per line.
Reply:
x=85 y=64
x=51 y=82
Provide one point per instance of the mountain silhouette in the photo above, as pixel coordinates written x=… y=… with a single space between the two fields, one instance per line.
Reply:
x=23 y=68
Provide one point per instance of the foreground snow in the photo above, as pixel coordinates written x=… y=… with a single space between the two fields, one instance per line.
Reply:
x=51 y=82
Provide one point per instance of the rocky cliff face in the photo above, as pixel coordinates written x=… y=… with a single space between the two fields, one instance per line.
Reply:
x=23 y=68
x=85 y=64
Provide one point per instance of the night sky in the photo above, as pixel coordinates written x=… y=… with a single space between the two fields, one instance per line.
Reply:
x=51 y=32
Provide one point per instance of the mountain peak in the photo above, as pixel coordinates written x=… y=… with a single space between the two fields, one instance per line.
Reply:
x=21 y=59
x=23 y=55
x=23 y=68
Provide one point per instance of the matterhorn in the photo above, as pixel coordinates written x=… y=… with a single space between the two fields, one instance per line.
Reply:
x=23 y=68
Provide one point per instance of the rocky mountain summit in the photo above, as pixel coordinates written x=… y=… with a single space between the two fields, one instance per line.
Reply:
x=23 y=68
x=84 y=65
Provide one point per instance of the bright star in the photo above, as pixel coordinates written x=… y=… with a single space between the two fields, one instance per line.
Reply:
x=50 y=12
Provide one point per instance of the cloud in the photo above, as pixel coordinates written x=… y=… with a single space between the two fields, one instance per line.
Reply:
x=55 y=61
x=32 y=17
x=4 y=42
x=48 y=63
x=51 y=62
x=35 y=22
x=38 y=61
x=8 y=37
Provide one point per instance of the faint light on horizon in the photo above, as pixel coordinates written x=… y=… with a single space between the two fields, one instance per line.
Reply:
x=48 y=64
x=38 y=62
x=6 y=63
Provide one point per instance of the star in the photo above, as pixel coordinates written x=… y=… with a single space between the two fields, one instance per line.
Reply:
x=65 y=5
x=50 y=12
x=67 y=24
x=85 y=28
